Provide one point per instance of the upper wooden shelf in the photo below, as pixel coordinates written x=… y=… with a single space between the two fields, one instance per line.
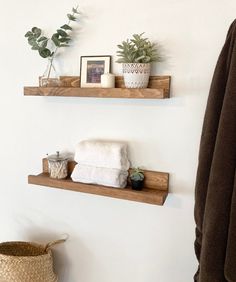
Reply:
x=155 y=186
x=158 y=88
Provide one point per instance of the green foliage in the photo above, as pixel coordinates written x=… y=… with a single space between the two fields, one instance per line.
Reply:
x=71 y=17
x=138 y=50
x=137 y=174
x=47 y=47
x=66 y=27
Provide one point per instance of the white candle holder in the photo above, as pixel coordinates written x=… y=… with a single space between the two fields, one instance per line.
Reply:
x=108 y=80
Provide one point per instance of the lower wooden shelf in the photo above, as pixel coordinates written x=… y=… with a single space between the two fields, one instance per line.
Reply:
x=150 y=196
x=155 y=187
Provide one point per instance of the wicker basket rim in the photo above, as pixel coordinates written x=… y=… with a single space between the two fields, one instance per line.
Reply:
x=23 y=243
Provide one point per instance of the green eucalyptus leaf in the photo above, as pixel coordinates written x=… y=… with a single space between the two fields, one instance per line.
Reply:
x=45 y=53
x=34 y=29
x=66 y=27
x=59 y=39
x=43 y=38
x=29 y=33
x=75 y=10
x=56 y=40
x=32 y=42
x=62 y=33
x=37 y=31
x=35 y=47
x=71 y=17
x=56 y=35
x=31 y=37
x=64 y=39
x=44 y=44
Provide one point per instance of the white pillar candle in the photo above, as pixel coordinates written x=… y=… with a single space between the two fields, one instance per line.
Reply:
x=108 y=80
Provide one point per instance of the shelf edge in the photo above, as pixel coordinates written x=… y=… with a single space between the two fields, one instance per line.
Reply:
x=149 y=196
x=116 y=93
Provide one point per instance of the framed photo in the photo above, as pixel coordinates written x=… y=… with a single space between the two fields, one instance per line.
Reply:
x=91 y=69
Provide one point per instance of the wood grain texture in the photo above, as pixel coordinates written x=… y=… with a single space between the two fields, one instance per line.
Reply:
x=158 y=88
x=154 y=81
x=155 y=187
x=153 y=179
x=150 y=196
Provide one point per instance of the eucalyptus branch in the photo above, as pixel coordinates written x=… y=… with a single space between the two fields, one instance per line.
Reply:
x=59 y=39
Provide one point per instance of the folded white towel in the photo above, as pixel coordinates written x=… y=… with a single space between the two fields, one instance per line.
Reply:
x=102 y=176
x=102 y=154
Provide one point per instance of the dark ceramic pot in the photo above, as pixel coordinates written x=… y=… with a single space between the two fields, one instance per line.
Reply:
x=137 y=184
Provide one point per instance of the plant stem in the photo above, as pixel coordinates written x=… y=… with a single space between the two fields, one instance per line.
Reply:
x=50 y=68
x=54 y=54
x=51 y=61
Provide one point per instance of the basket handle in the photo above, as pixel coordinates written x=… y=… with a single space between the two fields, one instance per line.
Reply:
x=52 y=243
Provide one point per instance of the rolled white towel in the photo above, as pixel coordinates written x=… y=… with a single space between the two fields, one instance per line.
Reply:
x=102 y=154
x=99 y=175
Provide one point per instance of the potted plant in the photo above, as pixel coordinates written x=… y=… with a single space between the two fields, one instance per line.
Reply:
x=47 y=47
x=136 y=55
x=137 y=178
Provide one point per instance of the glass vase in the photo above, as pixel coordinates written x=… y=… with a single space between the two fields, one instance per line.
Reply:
x=50 y=77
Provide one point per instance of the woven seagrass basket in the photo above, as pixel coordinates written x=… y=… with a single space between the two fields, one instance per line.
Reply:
x=26 y=262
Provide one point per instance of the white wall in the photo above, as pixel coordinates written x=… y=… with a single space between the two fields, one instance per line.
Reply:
x=110 y=240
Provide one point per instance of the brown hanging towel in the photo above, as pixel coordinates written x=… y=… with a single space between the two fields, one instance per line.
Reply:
x=215 y=194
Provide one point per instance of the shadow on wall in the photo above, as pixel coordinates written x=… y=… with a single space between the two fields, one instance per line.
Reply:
x=60 y=256
x=63 y=253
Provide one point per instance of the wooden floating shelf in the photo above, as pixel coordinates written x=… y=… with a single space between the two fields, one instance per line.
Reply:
x=158 y=88
x=155 y=190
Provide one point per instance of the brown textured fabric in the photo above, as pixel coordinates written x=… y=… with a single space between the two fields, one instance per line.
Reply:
x=215 y=194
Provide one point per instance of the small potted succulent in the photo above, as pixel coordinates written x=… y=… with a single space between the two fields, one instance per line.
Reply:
x=137 y=178
x=136 y=55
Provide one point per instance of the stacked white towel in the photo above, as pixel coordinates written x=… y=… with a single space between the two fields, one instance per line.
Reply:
x=102 y=154
x=101 y=162
x=100 y=175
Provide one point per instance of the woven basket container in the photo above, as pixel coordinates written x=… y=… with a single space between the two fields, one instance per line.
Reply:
x=26 y=262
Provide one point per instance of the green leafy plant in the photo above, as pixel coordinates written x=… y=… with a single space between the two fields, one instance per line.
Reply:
x=47 y=47
x=137 y=174
x=138 y=50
